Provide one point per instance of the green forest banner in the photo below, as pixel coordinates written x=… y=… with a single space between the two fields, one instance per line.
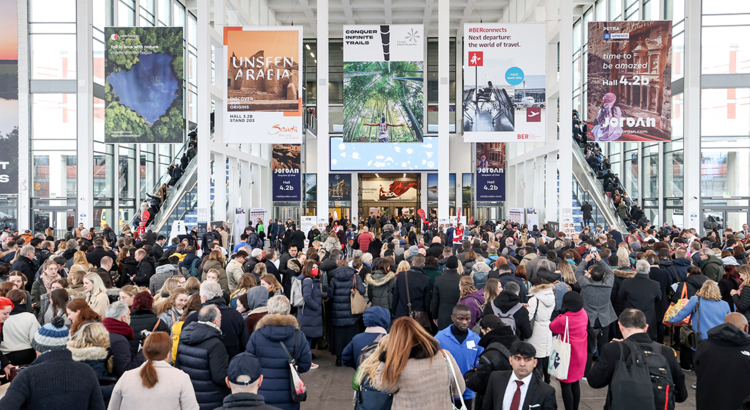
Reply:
x=8 y=98
x=383 y=83
x=143 y=91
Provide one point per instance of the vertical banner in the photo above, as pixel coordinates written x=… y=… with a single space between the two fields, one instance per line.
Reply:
x=630 y=81
x=383 y=83
x=143 y=91
x=467 y=180
x=516 y=215
x=287 y=177
x=264 y=85
x=340 y=187
x=8 y=97
x=432 y=187
x=311 y=187
x=490 y=171
x=505 y=95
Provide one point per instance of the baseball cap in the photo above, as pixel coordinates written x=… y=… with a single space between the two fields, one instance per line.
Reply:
x=244 y=364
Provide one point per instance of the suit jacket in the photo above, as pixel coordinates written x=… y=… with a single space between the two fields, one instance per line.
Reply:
x=540 y=395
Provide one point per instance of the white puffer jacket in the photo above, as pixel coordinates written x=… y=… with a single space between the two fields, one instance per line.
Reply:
x=542 y=296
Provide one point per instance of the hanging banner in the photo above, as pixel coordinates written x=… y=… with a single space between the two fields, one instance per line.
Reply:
x=383 y=83
x=340 y=187
x=400 y=190
x=432 y=187
x=143 y=91
x=516 y=216
x=505 y=95
x=490 y=171
x=311 y=187
x=8 y=98
x=629 y=81
x=467 y=180
x=264 y=85
x=287 y=177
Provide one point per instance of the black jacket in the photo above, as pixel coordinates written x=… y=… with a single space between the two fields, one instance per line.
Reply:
x=436 y=250
x=374 y=248
x=157 y=251
x=539 y=394
x=665 y=283
x=644 y=294
x=505 y=301
x=339 y=291
x=146 y=269
x=491 y=360
x=201 y=349
x=722 y=365
x=445 y=295
x=245 y=401
x=233 y=327
x=271 y=268
x=124 y=358
x=25 y=266
x=143 y=319
x=694 y=284
x=129 y=268
x=286 y=282
x=742 y=302
x=602 y=371
x=95 y=257
x=419 y=290
x=298 y=238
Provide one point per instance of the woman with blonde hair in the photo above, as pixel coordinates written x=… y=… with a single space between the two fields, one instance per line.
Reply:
x=193 y=285
x=741 y=297
x=259 y=270
x=96 y=293
x=90 y=345
x=79 y=259
x=155 y=384
x=269 y=282
x=569 y=277
x=165 y=291
x=215 y=260
x=402 y=267
x=706 y=309
x=472 y=298
x=193 y=305
x=127 y=293
x=491 y=289
x=246 y=283
x=171 y=308
x=414 y=369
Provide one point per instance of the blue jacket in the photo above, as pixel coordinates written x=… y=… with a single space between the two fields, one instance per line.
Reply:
x=374 y=317
x=233 y=328
x=340 y=292
x=189 y=257
x=711 y=314
x=240 y=246
x=264 y=344
x=202 y=355
x=680 y=267
x=466 y=353
x=310 y=316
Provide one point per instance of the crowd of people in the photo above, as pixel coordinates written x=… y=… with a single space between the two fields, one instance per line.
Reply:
x=481 y=316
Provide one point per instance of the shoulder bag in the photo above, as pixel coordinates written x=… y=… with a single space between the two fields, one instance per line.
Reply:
x=418 y=315
x=357 y=301
x=688 y=336
x=451 y=379
x=297 y=386
x=674 y=308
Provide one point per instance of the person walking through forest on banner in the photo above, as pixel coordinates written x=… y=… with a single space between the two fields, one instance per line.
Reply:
x=383 y=129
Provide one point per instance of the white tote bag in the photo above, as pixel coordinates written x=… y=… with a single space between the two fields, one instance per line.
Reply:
x=559 y=360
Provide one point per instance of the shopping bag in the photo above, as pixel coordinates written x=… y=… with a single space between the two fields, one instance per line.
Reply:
x=676 y=307
x=559 y=359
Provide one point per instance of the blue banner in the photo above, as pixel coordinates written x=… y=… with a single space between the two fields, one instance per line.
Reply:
x=287 y=176
x=490 y=180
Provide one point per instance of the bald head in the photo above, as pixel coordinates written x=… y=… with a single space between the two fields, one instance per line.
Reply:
x=436 y=239
x=737 y=319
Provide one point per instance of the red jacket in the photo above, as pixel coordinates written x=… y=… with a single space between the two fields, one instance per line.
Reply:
x=577 y=323
x=364 y=241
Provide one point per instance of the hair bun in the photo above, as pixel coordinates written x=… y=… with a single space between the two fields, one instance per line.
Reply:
x=58 y=322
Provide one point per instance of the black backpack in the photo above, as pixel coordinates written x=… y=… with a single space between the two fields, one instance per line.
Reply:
x=643 y=381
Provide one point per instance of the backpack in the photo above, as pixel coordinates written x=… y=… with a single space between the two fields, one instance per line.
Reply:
x=254 y=241
x=193 y=270
x=295 y=297
x=367 y=350
x=643 y=381
x=507 y=317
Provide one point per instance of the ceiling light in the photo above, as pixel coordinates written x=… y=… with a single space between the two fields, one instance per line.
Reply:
x=308 y=46
x=377 y=175
x=312 y=55
x=404 y=175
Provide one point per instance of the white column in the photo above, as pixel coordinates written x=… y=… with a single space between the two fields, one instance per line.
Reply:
x=443 y=103
x=234 y=188
x=566 y=104
x=459 y=101
x=246 y=194
x=424 y=185
x=24 y=107
x=551 y=187
x=355 y=198
x=256 y=185
x=220 y=188
x=203 y=156
x=324 y=141
x=538 y=201
x=84 y=105
x=692 y=106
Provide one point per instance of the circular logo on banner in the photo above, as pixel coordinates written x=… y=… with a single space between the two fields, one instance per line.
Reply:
x=514 y=76
x=115 y=37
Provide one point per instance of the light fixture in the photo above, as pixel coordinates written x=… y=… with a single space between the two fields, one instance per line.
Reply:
x=378 y=176
x=312 y=55
x=308 y=46
x=404 y=175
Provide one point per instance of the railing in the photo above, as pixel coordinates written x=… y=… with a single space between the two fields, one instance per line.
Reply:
x=586 y=179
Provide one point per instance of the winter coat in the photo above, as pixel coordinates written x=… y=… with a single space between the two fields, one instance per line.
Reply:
x=419 y=291
x=94 y=356
x=146 y=269
x=510 y=277
x=376 y=320
x=245 y=401
x=541 y=306
x=163 y=273
x=265 y=344
x=479 y=273
x=445 y=295
x=214 y=264
x=694 y=284
x=474 y=302
x=742 y=302
x=622 y=211
x=528 y=258
x=721 y=365
x=124 y=358
x=665 y=284
x=436 y=250
x=597 y=295
x=129 y=268
x=644 y=294
x=233 y=328
x=234 y=273
x=380 y=288
x=506 y=301
x=621 y=275
x=202 y=355
x=310 y=316
x=679 y=268
x=25 y=266
x=433 y=272
x=491 y=360
x=342 y=282
x=710 y=315
x=143 y=319
x=95 y=257
x=577 y=324
x=713 y=267
x=174 y=391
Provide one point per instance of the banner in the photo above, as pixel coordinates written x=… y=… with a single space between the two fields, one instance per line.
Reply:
x=432 y=187
x=264 y=85
x=287 y=177
x=311 y=187
x=340 y=187
x=490 y=171
x=8 y=97
x=629 y=81
x=401 y=190
x=143 y=91
x=383 y=83
x=505 y=95
x=516 y=216
x=467 y=180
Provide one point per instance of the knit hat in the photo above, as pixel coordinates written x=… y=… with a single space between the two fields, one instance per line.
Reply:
x=414 y=251
x=572 y=302
x=452 y=262
x=52 y=336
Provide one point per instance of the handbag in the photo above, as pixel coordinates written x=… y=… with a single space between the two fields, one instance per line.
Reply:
x=674 y=308
x=418 y=315
x=688 y=336
x=297 y=386
x=370 y=398
x=15 y=370
x=559 y=359
x=357 y=301
x=450 y=384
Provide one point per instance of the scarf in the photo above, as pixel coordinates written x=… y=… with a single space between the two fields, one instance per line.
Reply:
x=48 y=281
x=116 y=326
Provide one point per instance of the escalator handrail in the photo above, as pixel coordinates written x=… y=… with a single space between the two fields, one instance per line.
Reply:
x=607 y=211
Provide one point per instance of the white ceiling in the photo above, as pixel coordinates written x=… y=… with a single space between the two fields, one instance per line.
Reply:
x=341 y=12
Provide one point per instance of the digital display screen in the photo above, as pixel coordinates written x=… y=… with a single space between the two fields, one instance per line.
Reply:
x=386 y=156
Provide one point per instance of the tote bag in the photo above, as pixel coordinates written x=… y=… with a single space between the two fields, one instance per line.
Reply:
x=674 y=308
x=356 y=300
x=559 y=360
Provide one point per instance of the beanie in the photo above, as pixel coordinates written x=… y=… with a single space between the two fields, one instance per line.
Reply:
x=452 y=262
x=52 y=336
x=572 y=301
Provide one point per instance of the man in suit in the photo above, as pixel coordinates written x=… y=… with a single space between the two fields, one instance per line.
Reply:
x=520 y=387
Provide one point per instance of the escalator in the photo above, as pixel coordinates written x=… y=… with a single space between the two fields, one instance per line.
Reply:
x=587 y=188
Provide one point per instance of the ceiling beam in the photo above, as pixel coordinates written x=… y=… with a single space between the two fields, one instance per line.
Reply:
x=311 y=20
x=388 y=11
x=348 y=11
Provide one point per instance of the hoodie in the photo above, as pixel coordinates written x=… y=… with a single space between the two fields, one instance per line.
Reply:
x=680 y=267
x=506 y=301
x=376 y=320
x=480 y=272
x=380 y=288
x=713 y=267
x=722 y=364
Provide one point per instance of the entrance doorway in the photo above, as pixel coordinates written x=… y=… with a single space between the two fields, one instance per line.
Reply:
x=58 y=219
x=287 y=212
x=721 y=219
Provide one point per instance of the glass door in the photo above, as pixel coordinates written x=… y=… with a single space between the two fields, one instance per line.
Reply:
x=726 y=218
x=58 y=219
